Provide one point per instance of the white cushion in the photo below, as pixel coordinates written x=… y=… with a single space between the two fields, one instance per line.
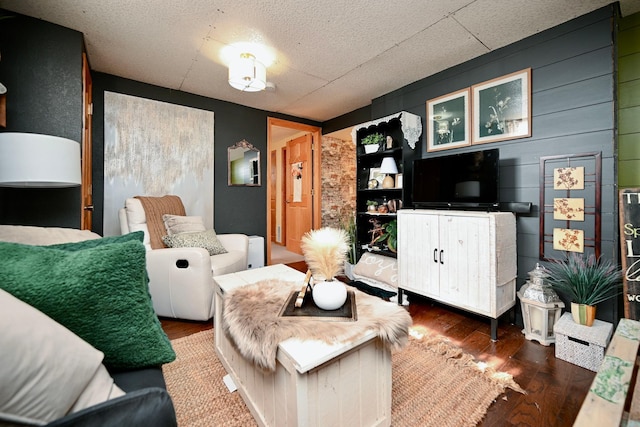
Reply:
x=137 y=219
x=100 y=389
x=30 y=235
x=135 y=211
x=229 y=262
x=45 y=368
x=176 y=224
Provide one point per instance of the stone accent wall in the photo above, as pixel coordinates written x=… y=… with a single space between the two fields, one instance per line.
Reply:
x=338 y=180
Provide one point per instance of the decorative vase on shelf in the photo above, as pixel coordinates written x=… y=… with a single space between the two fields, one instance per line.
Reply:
x=371 y=148
x=389 y=142
x=583 y=314
x=329 y=294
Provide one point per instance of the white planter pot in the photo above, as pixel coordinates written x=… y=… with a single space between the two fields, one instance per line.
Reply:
x=329 y=295
x=371 y=148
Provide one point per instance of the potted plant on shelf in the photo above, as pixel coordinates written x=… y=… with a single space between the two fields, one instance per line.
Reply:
x=372 y=206
x=586 y=281
x=372 y=142
x=389 y=235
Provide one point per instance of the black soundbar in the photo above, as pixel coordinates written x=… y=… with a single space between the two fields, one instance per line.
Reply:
x=515 y=207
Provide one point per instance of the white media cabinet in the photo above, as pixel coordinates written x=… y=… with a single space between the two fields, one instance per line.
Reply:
x=465 y=259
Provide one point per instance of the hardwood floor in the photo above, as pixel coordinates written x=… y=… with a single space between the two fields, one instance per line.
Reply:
x=555 y=388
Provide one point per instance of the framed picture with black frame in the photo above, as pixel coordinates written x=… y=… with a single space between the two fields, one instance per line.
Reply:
x=502 y=108
x=448 y=121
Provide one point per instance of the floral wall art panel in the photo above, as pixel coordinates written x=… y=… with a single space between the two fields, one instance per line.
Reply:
x=448 y=121
x=570 y=178
x=570 y=240
x=570 y=205
x=502 y=108
x=571 y=209
x=154 y=148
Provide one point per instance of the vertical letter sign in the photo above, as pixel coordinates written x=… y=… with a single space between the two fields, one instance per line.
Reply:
x=630 y=250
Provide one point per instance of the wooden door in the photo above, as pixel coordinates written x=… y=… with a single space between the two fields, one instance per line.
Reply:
x=86 y=216
x=299 y=213
x=272 y=194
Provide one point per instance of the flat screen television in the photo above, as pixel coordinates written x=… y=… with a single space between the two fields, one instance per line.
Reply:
x=466 y=181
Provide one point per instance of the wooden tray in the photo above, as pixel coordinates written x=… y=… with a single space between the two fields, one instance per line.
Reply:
x=346 y=313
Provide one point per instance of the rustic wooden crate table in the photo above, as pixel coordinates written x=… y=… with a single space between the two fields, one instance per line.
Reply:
x=315 y=383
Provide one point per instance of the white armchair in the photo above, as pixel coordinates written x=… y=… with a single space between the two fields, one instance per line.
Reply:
x=181 y=279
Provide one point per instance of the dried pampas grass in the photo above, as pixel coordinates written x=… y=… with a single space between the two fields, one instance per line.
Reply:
x=325 y=251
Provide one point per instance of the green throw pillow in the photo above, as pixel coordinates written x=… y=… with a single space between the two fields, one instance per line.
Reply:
x=92 y=243
x=100 y=293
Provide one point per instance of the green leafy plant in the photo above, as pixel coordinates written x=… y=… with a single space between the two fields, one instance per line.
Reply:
x=374 y=138
x=585 y=279
x=390 y=235
x=348 y=224
x=372 y=203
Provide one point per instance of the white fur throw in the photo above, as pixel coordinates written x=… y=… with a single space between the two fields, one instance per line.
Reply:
x=251 y=321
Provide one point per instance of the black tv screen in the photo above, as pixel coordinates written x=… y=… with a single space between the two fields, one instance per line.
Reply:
x=465 y=180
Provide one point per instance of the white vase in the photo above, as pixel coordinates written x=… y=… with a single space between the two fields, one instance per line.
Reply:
x=329 y=295
x=371 y=148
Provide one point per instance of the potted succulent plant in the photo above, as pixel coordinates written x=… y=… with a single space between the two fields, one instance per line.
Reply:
x=372 y=142
x=586 y=281
x=372 y=206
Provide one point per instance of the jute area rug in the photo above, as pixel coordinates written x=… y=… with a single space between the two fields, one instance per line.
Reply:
x=434 y=384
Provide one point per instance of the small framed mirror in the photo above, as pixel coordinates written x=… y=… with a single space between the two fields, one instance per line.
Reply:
x=244 y=164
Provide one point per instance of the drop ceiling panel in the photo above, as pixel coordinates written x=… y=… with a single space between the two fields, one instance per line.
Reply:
x=331 y=56
x=500 y=23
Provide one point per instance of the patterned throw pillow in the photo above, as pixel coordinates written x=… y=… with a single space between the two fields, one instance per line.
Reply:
x=204 y=239
x=176 y=224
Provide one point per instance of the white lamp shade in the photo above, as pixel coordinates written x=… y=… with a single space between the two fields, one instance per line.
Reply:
x=388 y=165
x=247 y=74
x=34 y=160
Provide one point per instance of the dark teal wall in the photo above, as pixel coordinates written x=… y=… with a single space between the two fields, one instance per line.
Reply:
x=573 y=105
x=41 y=67
x=236 y=209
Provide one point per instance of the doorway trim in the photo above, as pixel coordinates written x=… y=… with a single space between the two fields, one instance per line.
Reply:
x=317 y=182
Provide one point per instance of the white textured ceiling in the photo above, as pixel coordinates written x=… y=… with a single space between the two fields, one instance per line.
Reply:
x=332 y=56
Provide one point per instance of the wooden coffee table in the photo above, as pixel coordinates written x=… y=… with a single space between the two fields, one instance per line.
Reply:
x=315 y=383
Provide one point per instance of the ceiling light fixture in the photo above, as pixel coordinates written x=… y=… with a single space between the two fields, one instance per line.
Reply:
x=247 y=74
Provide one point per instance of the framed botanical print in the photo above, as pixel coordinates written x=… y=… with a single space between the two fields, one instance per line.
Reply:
x=448 y=121
x=502 y=108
